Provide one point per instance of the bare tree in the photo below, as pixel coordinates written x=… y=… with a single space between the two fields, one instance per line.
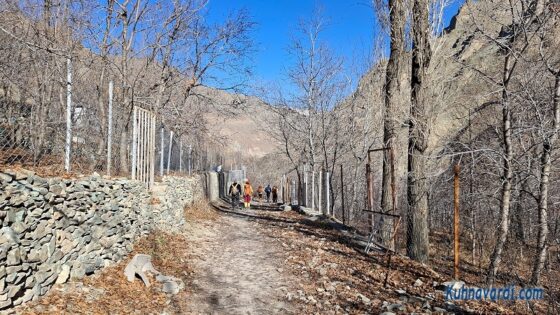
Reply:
x=417 y=215
x=550 y=135
x=514 y=44
x=395 y=83
x=308 y=123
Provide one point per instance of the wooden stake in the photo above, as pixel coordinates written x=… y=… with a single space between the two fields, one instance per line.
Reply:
x=456 y=222
x=342 y=193
x=393 y=181
x=369 y=188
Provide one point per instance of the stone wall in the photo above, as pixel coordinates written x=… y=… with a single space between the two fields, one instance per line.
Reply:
x=55 y=229
x=168 y=194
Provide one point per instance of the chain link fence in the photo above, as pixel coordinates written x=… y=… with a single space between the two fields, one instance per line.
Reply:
x=26 y=141
x=83 y=138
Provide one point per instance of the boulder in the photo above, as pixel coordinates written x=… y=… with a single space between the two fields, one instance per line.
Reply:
x=8 y=236
x=172 y=285
x=14 y=257
x=63 y=275
x=140 y=265
x=5 y=178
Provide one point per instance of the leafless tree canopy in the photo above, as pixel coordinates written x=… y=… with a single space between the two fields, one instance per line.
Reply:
x=481 y=93
x=161 y=55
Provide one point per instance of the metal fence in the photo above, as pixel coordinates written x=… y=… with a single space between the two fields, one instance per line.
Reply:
x=143 y=146
x=83 y=137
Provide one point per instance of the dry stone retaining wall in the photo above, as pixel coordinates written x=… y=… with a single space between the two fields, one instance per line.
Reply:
x=55 y=229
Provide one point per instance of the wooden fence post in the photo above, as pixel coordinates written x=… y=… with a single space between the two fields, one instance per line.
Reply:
x=456 y=222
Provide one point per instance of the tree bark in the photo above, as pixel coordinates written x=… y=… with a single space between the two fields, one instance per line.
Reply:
x=417 y=240
x=503 y=229
x=517 y=216
x=392 y=119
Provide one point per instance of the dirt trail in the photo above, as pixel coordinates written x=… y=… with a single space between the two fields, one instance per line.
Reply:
x=237 y=269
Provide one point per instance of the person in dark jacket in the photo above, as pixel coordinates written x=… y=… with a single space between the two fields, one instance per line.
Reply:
x=275 y=194
x=234 y=193
x=267 y=191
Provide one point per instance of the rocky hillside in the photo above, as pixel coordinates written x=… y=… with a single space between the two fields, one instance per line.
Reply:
x=239 y=123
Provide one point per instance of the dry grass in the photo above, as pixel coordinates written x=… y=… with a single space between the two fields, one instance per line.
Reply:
x=320 y=257
x=200 y=210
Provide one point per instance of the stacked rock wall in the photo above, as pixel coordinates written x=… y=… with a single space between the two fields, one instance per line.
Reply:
x=169 y=193
x=55 y=229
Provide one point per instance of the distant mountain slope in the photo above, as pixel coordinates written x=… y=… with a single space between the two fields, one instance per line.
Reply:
x=240 y=124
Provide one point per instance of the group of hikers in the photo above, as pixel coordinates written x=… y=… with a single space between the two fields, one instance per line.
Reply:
x=236 y=191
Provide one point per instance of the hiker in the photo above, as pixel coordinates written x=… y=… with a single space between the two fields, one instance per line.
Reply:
x=234 y=193
x=268 y=190
x=247 y=193
x=275 y=194
x=260 y=192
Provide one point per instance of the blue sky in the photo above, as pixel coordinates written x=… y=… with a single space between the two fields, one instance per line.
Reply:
x=350 y=33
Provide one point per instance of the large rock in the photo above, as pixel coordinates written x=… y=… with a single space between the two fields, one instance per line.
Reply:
x=8 y=236
x=140 y=265
x=5 y=178
x=63 y=275
x=14 y=257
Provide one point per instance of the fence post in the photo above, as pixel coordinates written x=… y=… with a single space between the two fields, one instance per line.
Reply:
x=305 y=185
x=110 y=128
x=152 y=150
x=327 y=195
x=456 y=221
x=68 y=145
x=393 y=181
x=180 y=156
x=294 y=192
x=369 y=187
x=140 y=146
x=146 y=147
x=285 y=194
x=134 y=142
x=312 y=190
x=342 y=194
x=282 y=189
x=161 y=153
x=169 y=152
x=190 y=159
x=320 y=186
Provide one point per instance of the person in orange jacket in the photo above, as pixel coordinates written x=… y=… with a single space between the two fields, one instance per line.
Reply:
x=247 y=193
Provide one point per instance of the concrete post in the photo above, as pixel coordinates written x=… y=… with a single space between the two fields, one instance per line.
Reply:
x=213 y=186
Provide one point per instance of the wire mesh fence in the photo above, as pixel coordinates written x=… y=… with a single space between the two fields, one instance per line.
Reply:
x=86 y=137
x=27 y=141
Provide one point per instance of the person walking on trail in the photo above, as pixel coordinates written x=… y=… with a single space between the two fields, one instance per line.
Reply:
x=275 y=194
x=234 y=193
x=247 y=193
x=260 y=193
x=267 y=191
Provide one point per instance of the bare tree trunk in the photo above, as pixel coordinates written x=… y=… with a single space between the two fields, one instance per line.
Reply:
x=517 y=213
x=391 y=126
x=503 y=229
x=417 y=240
x=548 y=147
